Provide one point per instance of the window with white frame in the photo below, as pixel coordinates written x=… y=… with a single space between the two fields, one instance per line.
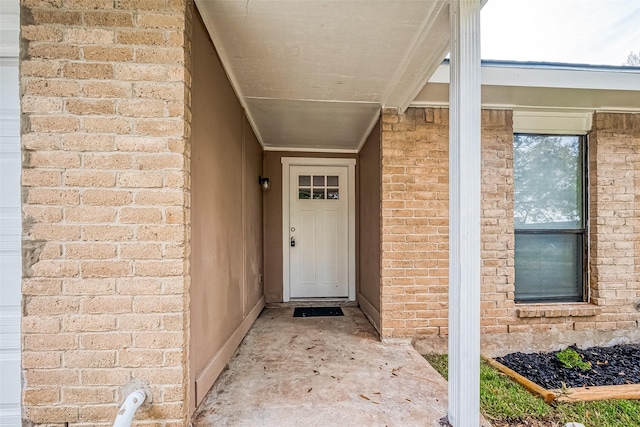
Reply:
x=549 y=216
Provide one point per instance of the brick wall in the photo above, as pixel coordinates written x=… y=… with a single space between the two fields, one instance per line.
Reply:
x=614 y=210
x=415 y=237
x=105 y=180
x=415 y=217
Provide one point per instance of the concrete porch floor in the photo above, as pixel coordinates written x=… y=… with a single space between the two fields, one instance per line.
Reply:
x=323 y=371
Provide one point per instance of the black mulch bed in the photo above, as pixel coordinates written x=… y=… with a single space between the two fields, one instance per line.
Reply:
x=615 y=365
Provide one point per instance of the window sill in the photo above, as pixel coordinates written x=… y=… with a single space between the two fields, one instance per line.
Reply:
x=558 y=310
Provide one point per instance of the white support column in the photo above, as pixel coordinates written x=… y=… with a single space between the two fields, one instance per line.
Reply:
x=464 y=215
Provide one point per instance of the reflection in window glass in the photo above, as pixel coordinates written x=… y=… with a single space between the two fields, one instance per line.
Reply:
x=548 y=181
x=318 y=193
x=332 y=181
x=304 y=193
x=318 y=181
x=549 y=218
x=304 y=181
x=333 y=194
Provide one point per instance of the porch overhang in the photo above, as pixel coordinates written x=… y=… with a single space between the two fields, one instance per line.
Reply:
x=313 y=75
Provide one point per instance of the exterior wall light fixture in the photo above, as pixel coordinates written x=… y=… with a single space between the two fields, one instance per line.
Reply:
x=264 y=183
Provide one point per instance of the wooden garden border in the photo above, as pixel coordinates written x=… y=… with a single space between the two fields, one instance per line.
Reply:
x=577 y=394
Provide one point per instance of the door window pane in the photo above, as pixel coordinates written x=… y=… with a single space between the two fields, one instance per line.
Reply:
x=304 y=181
x=318 y=187
x=304 y=193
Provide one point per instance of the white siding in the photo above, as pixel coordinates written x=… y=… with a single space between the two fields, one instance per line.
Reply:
x=10 y=261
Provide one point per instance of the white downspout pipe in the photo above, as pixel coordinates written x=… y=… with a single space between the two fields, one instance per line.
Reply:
x=129 y=407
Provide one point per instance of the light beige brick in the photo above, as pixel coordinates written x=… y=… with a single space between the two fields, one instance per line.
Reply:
x=41 y=286
x=118 y=125
x=105 y=268
x=86 y=178
x=131 y=215
x=159 y=55
x=110 y=54
x=107 y=161
x=88 y=287
x=53 y=51
x=151 y=20
x=41 y=396
x=51 y=414
x=105 y=341
x=140 y=179
x=157 y=339
x=90 y=251
x=134 y=358
x=54 y=268
x=55 y=232
x=142 y=108
x=41 y=104
x=89 y=214
x=141 y=72
x=53 y=159
x=106 y=19
x=41 y=33
x=140 y=143
x=164 y=91
x=107 y=233
x=88 y=323
x=83 y=395
x=88 y=35
x=51 y=342
x=93 y=106
x=54 y=123
x=106 y=304
x=90 y=359
x=40 y=178
x=105 y=89
x=88 y=142
x=105 y=376
x=41 y=325
x=141 y=37
x=106 y=197
x=36 y=68
x=159 y=127
x=139 y=285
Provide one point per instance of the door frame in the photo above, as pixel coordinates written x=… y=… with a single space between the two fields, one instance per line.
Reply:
x=287 y=162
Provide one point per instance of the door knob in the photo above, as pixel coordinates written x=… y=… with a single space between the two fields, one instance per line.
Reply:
x=293 y=242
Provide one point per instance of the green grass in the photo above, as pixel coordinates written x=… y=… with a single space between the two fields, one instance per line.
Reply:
x=502 y=399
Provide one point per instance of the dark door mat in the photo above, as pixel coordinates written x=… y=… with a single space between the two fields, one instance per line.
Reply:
x=317 y=311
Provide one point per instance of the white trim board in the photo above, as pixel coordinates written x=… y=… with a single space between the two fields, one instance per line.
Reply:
x=316 y=161
x=554 y=122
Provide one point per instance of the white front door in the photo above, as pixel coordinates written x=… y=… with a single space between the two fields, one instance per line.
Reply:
x=318 y=233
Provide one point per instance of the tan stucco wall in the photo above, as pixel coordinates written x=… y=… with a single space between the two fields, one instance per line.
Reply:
x=369 y=191
x=273 y=218
x=226 y=200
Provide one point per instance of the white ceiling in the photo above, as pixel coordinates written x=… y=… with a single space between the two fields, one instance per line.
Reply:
x=313 y=75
